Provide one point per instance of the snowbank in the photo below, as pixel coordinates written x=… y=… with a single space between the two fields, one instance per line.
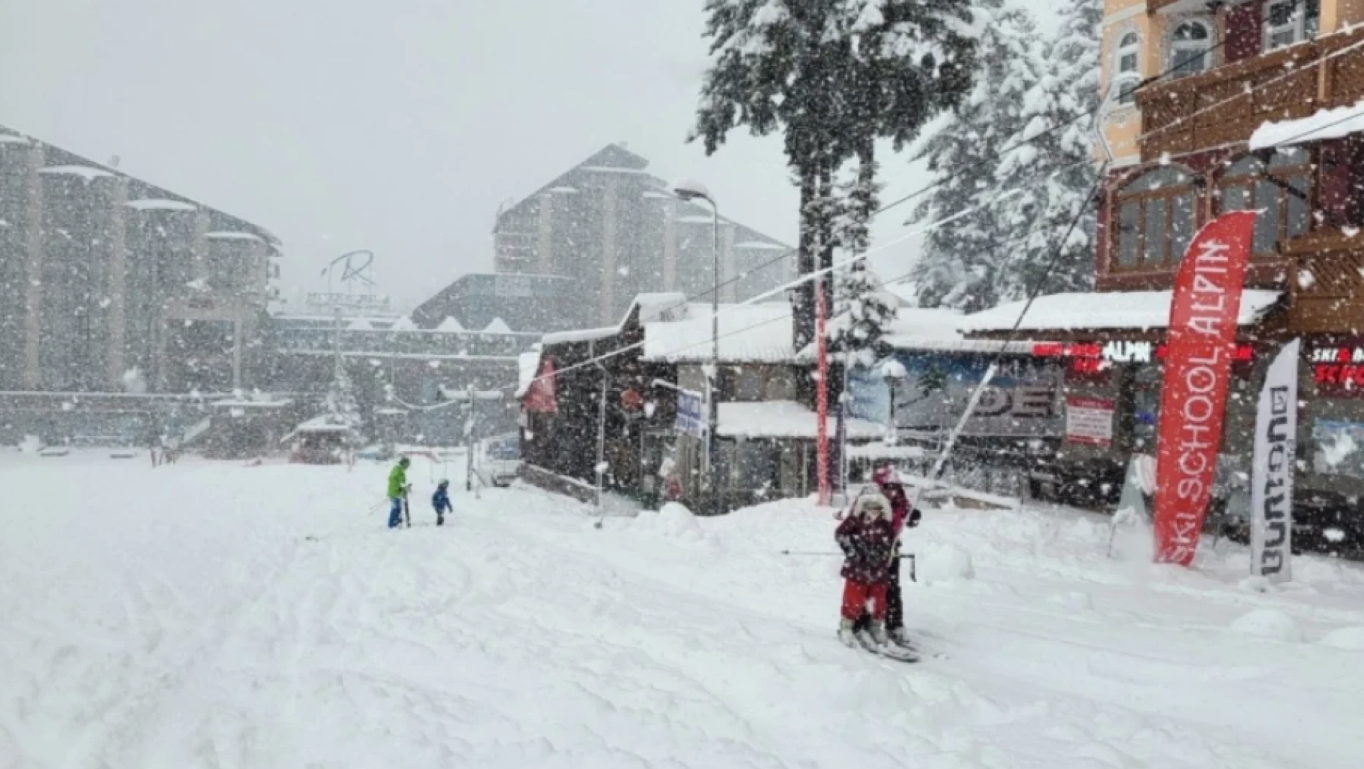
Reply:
x=1267 y=623
x=1351 y=638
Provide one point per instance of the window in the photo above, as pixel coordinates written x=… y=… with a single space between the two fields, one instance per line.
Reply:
x=1279 y=191
x=1289 y=22
x=1155 y=220
x=1127 y=68
x=1190 y=47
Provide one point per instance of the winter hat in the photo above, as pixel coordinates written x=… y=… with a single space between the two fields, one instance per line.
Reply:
x=872 y=506
x=404 y=461
x=443 y=483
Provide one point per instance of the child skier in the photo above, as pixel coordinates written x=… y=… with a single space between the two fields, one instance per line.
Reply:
x=867 y=538
x=902 y=516
x=441 y=501
x=397 y=490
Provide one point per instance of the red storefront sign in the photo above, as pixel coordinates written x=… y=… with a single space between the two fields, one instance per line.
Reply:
x=1202 y=343
x=1338 y=371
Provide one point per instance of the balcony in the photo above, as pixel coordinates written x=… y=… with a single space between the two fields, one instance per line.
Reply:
x=1225 y=105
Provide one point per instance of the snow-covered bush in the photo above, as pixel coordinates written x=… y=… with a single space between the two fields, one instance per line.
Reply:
x=1267 y=623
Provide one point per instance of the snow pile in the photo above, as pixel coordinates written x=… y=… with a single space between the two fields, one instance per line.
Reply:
x=31 y=444
x=671 y=520
x=1350 y=638
x=134 y=382
x=944 y=563
x=1267 y=623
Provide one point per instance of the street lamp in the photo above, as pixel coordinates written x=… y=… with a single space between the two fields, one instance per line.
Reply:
x=691 y=190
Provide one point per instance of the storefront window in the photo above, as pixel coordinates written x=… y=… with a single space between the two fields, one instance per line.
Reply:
x=1155 y=219
x=1280 y=191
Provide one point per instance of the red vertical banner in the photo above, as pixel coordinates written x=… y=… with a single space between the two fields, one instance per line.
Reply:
x=1202 y=342
x=821 y=396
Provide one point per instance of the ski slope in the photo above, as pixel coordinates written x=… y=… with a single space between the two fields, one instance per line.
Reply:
x=218 y=615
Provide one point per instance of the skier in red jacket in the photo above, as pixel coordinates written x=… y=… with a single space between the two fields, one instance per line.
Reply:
x=867 y=538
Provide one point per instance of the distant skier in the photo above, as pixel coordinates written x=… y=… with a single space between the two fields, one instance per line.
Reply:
x=397 y=491
x=867 y=538
x=441 y=501
x=903 y=516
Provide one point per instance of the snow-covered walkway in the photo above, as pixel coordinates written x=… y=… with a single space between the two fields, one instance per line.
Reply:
x=216 y=615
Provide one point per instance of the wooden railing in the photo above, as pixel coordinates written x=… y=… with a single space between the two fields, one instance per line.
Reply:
x=1225 y=105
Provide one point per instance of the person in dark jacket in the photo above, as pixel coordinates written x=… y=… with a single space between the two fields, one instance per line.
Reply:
x=441 y=501
x=867 y=539
x=903 y=516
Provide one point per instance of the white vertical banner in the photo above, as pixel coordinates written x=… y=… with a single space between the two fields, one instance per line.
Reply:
x=1271 y=478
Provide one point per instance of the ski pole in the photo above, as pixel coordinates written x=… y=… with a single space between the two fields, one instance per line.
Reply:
x=831 y=554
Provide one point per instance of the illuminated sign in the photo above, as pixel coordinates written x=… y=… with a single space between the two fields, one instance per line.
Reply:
x=1120 y=352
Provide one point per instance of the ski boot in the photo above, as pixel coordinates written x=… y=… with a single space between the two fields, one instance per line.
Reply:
x=900 y=638
x=878 y=633
x=845 y=633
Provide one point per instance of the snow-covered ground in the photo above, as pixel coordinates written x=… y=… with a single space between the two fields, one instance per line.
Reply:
x=219 y=615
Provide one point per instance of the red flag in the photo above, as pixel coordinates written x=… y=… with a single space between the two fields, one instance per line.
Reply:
x=540 y=396
x=1202 y=342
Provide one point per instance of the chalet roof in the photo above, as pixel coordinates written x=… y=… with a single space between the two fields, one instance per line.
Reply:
x=60 y=161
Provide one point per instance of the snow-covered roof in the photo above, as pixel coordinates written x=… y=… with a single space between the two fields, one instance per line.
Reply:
x=784 y=419
x=580 y=335
x=161 y=204
x=12 y=139
x=230 y=235
x=1121 y=309
x=563 y=190
x=612 y=170
x=698 y=219
x=323 y=424
x=390 y=411
x=403 y=324
x=657 y=195
x=85 y=172
x=665 y=305
x=749 y=333
x=450 y=325
x=360 y=324
x=527 y=366
x=240 y=403
x=497 y=326
x=1324 y=124
x=762 y=245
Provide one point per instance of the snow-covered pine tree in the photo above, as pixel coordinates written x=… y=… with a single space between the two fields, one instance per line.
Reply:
x=1060 y=110
x=832 y=76
x=862 y=308
x=340 y=403
x=969 y=264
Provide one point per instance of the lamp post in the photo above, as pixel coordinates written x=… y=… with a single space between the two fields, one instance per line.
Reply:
x=691 y=190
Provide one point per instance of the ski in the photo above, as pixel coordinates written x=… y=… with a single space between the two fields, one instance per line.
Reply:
x=889 y=651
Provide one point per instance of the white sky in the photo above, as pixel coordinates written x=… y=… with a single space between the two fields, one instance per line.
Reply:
x=396 y=126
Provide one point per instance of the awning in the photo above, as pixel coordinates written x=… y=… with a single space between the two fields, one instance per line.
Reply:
x=1136 y=310
x=1325 y=124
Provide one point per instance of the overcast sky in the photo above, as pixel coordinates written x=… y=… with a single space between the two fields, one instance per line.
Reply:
x=396 y=126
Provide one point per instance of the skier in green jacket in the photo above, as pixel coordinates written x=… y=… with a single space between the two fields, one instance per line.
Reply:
x=397 y=490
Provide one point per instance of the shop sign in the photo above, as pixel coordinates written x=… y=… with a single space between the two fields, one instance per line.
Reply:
x=1338 y=369
x=691 y=418
x=1089 y=421
x=1119 y=351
